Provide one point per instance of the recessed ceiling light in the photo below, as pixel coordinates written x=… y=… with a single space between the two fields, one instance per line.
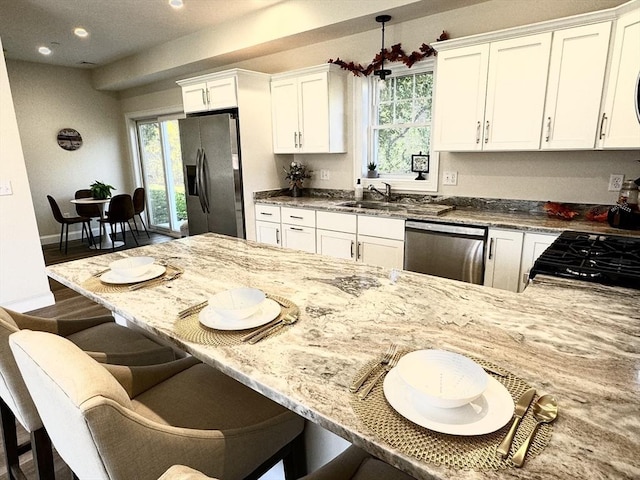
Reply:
x=44 y=50
x=176 y=3
x=80 y=32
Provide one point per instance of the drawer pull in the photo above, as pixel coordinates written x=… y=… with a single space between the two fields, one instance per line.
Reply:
x=296 y=229
x=265 y=213
x=297 y=218
x=277 y=236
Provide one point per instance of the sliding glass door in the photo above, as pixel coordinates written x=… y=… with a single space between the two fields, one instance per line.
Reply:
x=161 y=165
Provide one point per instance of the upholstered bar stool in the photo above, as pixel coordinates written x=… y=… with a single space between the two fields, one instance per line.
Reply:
x=105 y=340
x=356 y=464
x=114 y=422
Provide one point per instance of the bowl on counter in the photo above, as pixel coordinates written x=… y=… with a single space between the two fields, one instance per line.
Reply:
x=132 y=267
x=442 y=379
x=237 y=303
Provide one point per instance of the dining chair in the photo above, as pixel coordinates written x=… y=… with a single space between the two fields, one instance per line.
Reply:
x=120 y=213
x=89 y=211
x=105 y=340
x=66 y=221
x=115 y=422
x=139 y=201
x=182 y=472
x=356 y=464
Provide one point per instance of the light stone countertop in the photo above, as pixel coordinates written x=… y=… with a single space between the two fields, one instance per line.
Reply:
x=576 y=340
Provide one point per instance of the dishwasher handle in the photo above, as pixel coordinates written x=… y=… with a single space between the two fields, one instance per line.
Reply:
x=446 y=228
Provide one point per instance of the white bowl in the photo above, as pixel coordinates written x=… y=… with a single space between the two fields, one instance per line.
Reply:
x=442 y=379
x=237 y=303
x=132 y=267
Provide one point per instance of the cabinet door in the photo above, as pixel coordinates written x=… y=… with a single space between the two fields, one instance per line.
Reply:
x=516 y=87
x=222 y=93
x=502 y=266
x=532 y=247
x=460 y=93
x=621 y=124
x=268 y=232
x=336 y=244
x=574 y=90
x=313 y=101
x=382 y=252
x=299 y=238
x=194 y=98
x=284 y=115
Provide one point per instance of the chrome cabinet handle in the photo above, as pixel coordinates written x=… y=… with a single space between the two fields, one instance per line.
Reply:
x=294 y=216
x=300 y=139
x=491 y=249
x=295 y=139
x=204 y=99
x=486 y=132
x=358 y=254
x=267 y=214
x=296 y=229
x=277 y=236
x=352 y=242
x=548 y=129
x=478 y=132
x=208 y=98
x=604 y=118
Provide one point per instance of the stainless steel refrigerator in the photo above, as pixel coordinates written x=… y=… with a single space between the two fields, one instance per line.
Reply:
x=213 y=173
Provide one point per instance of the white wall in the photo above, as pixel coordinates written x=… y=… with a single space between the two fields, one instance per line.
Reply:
x=23 y=281
x=49 y=98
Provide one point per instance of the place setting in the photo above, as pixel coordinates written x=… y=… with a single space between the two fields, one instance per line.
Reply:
x=236 y=316
x=449 y=409
x=132 y=273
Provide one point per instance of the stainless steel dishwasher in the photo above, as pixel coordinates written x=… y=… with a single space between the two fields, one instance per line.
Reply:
x=445 y=250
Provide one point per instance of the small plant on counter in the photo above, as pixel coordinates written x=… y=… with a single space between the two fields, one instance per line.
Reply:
x=296 y=174
x=372 y=167
x=101 y=190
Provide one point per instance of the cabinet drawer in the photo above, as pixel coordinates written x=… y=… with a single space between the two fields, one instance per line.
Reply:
x=268 y=213
x=381 y=227
x=299 y=216
x=337 y=222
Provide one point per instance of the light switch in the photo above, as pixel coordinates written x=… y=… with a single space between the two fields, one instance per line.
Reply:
x=5 y=187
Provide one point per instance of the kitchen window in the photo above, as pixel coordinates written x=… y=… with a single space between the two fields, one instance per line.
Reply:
x=400 y=120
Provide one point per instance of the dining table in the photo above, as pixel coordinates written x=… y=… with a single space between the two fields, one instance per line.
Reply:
x=575 y=340
x=106 y=242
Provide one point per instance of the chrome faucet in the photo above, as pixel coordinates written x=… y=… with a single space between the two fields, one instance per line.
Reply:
x=387 y=191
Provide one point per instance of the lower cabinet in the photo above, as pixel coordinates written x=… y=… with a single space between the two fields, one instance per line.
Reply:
x=382 y=252
x=336 y=234
x=268 y=225
x=532 y=247
x=298 y=229
x=502 y=262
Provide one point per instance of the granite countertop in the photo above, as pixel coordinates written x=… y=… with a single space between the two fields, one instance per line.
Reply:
x=575 y=340
x=499 y=217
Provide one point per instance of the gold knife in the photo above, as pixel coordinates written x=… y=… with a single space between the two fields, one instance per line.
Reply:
x=520 y=410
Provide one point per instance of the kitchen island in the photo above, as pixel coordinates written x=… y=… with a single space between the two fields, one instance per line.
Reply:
x=575 y=340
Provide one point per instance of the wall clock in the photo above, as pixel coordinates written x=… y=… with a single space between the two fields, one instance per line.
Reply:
x=69 y=139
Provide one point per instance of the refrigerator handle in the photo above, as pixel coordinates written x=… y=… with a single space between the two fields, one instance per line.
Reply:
x=199 y=178
x=204 y=177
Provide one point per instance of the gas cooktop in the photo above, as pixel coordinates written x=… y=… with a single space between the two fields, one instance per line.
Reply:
x=606 y=259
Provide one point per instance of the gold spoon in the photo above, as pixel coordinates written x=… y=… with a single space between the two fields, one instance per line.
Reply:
x=545 y=410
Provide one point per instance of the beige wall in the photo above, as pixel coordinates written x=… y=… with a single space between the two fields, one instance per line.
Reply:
x=49 y=98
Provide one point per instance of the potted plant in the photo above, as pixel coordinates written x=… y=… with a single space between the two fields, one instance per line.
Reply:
x=296 y=174
x=373 y=172
x=100 y=190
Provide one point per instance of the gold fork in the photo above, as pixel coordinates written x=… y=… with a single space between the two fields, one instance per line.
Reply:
x=392 y=363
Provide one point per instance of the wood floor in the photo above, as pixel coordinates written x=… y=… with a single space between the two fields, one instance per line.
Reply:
x=68 y=305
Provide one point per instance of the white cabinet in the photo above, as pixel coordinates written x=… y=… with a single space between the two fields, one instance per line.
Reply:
x=336 y=234
x=308 y=109
x=213 y=92
x=268 y=225
x=502 y=263
x=620 y=127
x=298 y=229
x=491 y=96
x=574 y=89
x=380 y=241
x=532 y=247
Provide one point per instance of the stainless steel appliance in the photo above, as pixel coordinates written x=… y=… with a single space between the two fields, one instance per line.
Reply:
x=213 y=173
x=444 y=250
x=607 y=259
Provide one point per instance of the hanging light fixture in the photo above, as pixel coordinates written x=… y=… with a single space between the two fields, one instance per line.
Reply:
x=382 y=73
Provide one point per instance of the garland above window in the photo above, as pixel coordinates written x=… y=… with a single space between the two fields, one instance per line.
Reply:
x=395 y=54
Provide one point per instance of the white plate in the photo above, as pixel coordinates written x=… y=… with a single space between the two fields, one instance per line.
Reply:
x=488 y=413
x=112 y=277
x=267 y=311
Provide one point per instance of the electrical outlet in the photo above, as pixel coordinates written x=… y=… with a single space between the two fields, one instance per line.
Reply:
x=615 y=182
x=324 y=174
x=450 y=178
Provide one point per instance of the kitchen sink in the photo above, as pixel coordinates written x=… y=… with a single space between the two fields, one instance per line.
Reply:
x=390 y=207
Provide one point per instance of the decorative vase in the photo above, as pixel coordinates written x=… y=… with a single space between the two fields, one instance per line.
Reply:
x=296 y=191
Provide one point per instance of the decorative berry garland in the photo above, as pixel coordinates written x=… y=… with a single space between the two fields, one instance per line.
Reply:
x=395 y=54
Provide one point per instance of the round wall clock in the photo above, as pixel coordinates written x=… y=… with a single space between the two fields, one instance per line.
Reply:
x=69 y=139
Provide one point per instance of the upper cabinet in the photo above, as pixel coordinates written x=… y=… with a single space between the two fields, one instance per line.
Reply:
x=540 y=87
x=620 y=123
x=209 y=92
x=308 y=110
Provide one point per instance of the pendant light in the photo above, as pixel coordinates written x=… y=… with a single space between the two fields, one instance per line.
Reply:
x=382 y=73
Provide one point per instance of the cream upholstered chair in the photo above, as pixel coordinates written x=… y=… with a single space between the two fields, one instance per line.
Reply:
x=181 y=472
x=115 y=422
x=107 y=342
x=356 y=464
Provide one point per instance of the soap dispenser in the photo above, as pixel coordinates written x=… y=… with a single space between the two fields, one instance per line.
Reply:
x=359 y=192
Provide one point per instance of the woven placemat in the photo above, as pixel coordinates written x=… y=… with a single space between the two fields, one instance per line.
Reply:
x=94 y=284
x=191 y=330
x=459 y=452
